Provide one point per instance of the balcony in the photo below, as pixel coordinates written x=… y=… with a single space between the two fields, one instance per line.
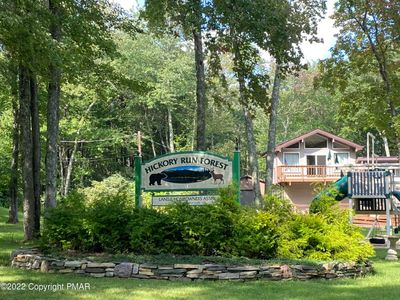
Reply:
x=288 y=174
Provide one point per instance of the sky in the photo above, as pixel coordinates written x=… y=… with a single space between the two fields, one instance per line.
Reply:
x=312 y=52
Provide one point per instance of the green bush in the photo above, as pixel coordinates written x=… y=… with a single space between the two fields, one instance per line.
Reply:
x=208 y=229
x=324 y=235
x=256 y=234
x=101 y=219
x=64 y=226
x=153 y=232
x=92 y=219
x=110 y=187
x=107 y=218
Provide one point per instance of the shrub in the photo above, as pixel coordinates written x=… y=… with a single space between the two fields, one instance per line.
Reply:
x=208 y=229
x=323 y=236
x=110 y=187
x=106 y=222
x=256 y=234
x=100 y=219
x=153 y=232
x=282 y=208
x=64 y=226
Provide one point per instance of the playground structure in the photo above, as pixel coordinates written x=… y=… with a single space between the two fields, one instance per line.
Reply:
x=371 y=188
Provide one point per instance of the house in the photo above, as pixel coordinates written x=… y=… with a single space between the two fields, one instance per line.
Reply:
x=314 y=157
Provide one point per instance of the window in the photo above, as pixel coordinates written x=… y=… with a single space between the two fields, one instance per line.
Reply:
x=316 y=141
x=341 y=158
x=291 y=159
x=337 y=145
x=294 y=146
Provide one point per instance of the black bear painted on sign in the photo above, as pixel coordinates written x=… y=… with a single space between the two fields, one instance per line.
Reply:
x=156 y=178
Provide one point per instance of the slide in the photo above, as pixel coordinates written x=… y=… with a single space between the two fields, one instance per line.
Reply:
x=341 y=187
x=396 y=194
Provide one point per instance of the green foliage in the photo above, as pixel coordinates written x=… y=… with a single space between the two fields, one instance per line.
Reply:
x=106 y=222
x=104 y=219
x=153 y=232
x=256 y=234
x=112 y=186
x=64 y=226
x=280 y=207
x=324 y=201
x=324 y=234
x=93 y=219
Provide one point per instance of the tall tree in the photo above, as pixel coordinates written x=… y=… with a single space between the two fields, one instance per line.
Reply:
x=54 y=88
x=188 y=17
x=277 y=27
x=367 y=52
x=272 y=130
x=27 y=154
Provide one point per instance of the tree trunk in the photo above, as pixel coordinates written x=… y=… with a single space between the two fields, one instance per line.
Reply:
x=253 y=159
x=153 y=146
x=171 y=132
x=386 y=144
x=251 y=141
x=53 y=106
x=13 y=186
x=72 y=158
x=200 y=91
x=272 y=132
x=27 y=154
x=60 y=160
x=35 y=150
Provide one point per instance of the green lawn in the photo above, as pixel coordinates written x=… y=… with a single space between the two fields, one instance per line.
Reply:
x=385 y=284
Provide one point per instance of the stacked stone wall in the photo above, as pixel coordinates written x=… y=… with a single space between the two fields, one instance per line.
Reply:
x=32 y=259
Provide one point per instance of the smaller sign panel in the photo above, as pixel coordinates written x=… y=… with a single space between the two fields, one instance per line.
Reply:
x=191 y=199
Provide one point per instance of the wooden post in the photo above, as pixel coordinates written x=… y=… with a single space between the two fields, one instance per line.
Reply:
x=388 y=221
x=139 y=143
x=350 y=210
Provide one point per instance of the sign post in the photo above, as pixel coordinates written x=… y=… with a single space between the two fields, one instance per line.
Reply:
x=236 y=172
x=138 y=181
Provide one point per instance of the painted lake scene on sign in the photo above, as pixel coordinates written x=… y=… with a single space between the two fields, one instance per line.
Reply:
x=186 y=174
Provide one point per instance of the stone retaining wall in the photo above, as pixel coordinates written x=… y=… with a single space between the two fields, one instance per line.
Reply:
x=32 y=259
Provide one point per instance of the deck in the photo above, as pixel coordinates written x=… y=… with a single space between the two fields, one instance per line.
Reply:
x=289 y=174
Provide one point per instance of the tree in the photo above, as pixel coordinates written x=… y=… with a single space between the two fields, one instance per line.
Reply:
x=53 y=92
x=272 y=129
x=189 y=17
x=273 y=26
x=30 y=34
x=367 y=52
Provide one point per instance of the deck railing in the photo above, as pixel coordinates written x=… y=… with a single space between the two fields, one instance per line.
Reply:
x=307 y=173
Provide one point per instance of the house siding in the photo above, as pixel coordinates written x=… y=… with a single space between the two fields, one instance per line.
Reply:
x=302 y=193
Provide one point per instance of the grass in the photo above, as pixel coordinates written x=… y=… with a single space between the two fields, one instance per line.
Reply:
x=383 y=285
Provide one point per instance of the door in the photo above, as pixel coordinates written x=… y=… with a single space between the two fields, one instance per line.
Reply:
x=311 y=162
x=321 y=161
x=316 y=160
